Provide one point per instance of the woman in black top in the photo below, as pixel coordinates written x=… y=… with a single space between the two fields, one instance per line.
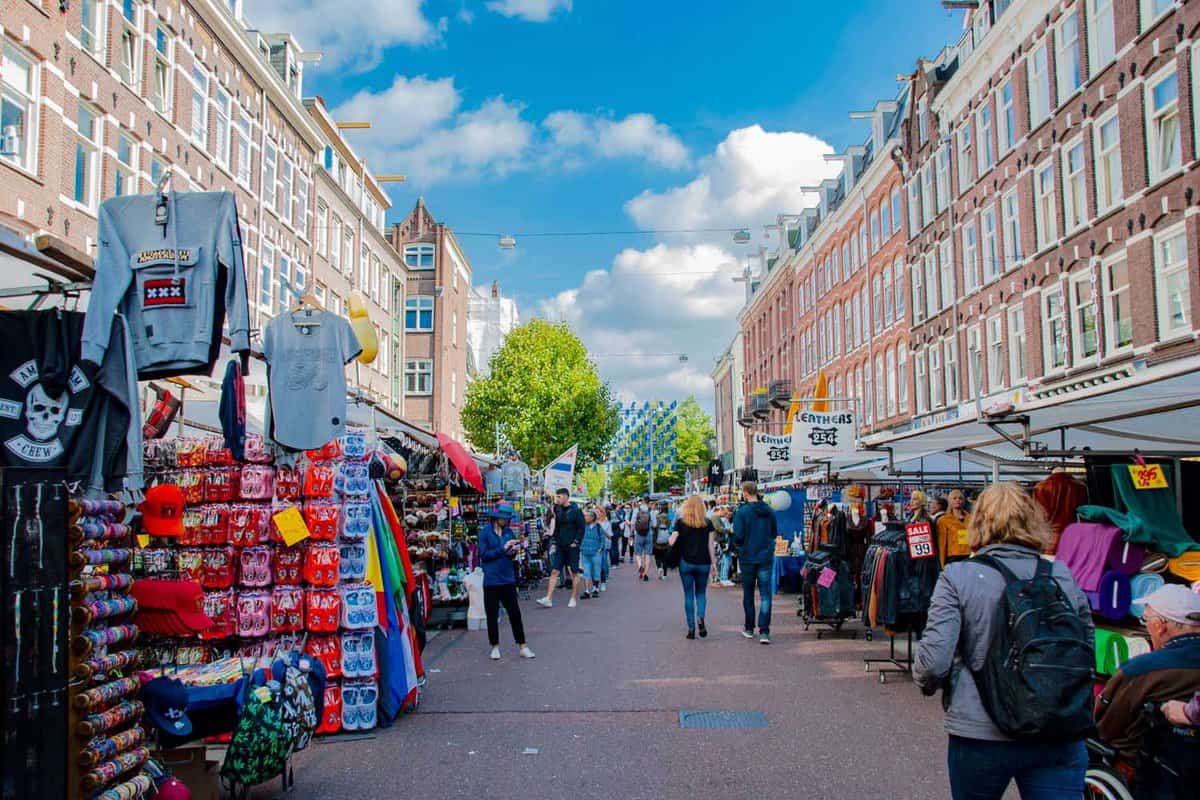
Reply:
x=694 y=540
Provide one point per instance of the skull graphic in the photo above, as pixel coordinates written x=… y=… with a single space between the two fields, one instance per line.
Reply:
x=43 y=414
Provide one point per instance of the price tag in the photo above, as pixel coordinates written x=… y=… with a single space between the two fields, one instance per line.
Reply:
x=291 y=526
x=1149 y=476
x=826 y=578
x=920 y=540
x=143 y=540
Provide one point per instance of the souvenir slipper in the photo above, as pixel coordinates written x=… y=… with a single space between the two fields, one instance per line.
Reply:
x=255 y=563
x=321 y=565
x=214 y=525
x=219 y=607
x=349 y=707
x=318 y=480
x=353 y=479
x=289 y=565
x=358 y=606
x=192 y=520
x=354 y=445
x=258 y=482
x=331 y=718
x=217 y=571
x=191 y=483
x=356 y=520
x=287 y=484
x=322 y=520
x=190 y=452
x=256 y=449
x=353 y=563
x=368 y=697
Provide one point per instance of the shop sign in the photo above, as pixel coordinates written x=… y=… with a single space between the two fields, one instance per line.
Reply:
x=772 y=452
x=816 y=434
x=920 y=540
x=1147 y=476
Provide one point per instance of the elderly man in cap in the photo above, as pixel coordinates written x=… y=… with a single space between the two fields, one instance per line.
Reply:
x=497 y=549
x=1170 y=672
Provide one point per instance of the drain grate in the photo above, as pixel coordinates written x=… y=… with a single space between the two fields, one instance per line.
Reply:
x=722 y=719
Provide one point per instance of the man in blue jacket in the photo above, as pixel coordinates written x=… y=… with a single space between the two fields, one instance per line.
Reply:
x=754 y=532
x=497 y=549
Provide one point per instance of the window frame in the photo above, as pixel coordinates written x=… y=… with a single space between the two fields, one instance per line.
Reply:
x=200 y=106
x=897 y=211
x=921 y=379
x=1040 y=102
x=966 y=156
x=1010 y=223
x=1053 y=345
x=125 y=170
x=129 y=43
x=985 y=152
x=1015 y=336
x=1006 y=117
x=1101 y=164
x=990 y=239
x=1045 y=209
x=420 y=250
x=1061 y=65
x=98 y=46
x=1074 y=187
x=1147 y=15
x=950 y=369
x=1116 y=299
x=419 y=305
x=994 y=361
x=1081 y=312
x=415 y=371
x=26 y=100
x=223 y=107
x=1161 y=276
x=1099 y=58
x=970 y=251
x=902 y=377
x=898 y=288
x=1156 y=117
x=87 y=174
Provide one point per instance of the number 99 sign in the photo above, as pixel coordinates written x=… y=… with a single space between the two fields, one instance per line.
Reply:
x=920 y=540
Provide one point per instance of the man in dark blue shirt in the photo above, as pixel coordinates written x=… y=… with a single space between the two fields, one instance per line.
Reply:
x=568 y=534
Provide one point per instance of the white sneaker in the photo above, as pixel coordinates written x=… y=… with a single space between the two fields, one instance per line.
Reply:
x=527 y=653
x=545 y=602
x=727 y=583
x=604 y=587
x=570 y=604
x=495 y=656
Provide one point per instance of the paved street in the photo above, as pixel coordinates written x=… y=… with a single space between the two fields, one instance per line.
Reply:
x=601 y=703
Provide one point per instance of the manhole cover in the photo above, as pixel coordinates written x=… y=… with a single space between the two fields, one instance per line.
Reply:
x=722 y=719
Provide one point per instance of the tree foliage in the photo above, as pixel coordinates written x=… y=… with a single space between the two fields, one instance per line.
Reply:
x=546 y=396
x=695 y=431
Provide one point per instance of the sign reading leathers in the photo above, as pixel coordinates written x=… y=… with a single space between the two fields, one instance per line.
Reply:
x=816 y=434
x=773 y=452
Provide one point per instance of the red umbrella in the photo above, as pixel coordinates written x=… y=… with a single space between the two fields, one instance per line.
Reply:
x=462 y=461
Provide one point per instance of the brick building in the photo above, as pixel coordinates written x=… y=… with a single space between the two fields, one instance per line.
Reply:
x=728 y=402
x=1046 y=158
x=438 y=287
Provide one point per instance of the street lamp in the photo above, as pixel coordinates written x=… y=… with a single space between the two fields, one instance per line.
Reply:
x=507 y=242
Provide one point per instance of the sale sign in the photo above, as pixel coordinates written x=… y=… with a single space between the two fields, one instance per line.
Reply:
x=920 y=540
x=1147 y=476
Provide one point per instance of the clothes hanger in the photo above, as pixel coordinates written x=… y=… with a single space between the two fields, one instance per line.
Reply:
x=308 y=304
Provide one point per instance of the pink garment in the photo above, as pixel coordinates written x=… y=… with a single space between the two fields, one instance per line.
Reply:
x=1084 y=547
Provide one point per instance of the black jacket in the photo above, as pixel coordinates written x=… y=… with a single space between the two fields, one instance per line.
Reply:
x=754 y=532
x=568 y=525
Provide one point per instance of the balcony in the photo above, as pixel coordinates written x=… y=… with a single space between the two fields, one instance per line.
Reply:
x=760 y=405
x=779 y=394
x=744 y=417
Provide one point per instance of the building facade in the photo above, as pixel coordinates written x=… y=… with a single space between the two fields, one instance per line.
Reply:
x=490 y=318
x=438 y=284
x=1050 y=217
x=728 y=397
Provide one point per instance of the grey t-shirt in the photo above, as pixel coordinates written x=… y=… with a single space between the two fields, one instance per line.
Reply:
x=307 y=376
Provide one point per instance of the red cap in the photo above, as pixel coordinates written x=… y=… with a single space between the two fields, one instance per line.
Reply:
x=162 y=510
x=162 y=603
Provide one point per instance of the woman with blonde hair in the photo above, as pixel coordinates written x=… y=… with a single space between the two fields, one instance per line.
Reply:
x=1009 y=529
x=695 y=541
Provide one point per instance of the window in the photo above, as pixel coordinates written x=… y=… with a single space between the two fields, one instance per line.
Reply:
x=200 y=107
x=981 y=23
x=87 y=158
x=991 y=248
x=1066 y=56
x=418 y=314
x=946 y=266
x=943 y=179
x=887 y=295
x=1162 y=125
x=1118 y=313
x=1039 y=87
x=1102 y=38
x=877 y=303
x=157 y=168
x=385 y=353
x=418 y=376
x=918 y=294
x=902 y=377
x=922 y=122
x=1171 y=284
x=936 y=380
x=285 y=287
x=845 y=262
x=836 y=319
x=270 y=173
x=862 y=242
x=302 y=212
x=1086 y=334
x=1109 y=185
x=858 y=388
x=1016 y=345
x=322 y=228
x=244 y=159
x=418 y=256
x=283 y=190
x=986 y=152
x=91 y=27
x=1010 y=212
x=364 y=268
x=162 y=93
x=950 y=368
x=974 y=354
x=890 y=366
x=1054 y=330
x=129 y=65
x=1153 y=9
x=853 y=254
x=1074 y=187
x=1043 y=204
x=1006 y=117
x=914 y=208
x=847 y=312
x=222 y=107
x=922 y=382
x=970 y=258
x=125 y=172
x=335 y=242
x=928 y=203
x=885 y=222
x=874 y=232
x=18 y=112
x=931 y=284
x=266 y=277
x=995 y=353
x=880 y=389
x=898 y=270
x=385 y=291
x=896 y=210
x=348 y=251
x=966 y=160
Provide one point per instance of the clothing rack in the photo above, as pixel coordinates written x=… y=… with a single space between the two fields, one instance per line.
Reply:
x=900 y=666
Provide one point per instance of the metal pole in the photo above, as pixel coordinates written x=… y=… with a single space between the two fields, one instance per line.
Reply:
x=653 y=432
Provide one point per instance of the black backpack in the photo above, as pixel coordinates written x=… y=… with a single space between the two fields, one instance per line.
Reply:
x=1036 y=682
x=641 y=523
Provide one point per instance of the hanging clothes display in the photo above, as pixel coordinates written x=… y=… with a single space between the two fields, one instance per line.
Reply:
x=172 y=266
x=1059 y=495
x=897 y=588
x=1146 y=515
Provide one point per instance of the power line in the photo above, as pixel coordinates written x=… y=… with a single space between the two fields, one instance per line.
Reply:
x=650 y=232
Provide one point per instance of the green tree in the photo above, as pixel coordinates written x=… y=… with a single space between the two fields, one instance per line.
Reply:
x=546 y=396
x=594 y=478
x=694 y=429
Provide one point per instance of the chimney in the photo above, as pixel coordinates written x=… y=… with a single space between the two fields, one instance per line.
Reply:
x=495 y=289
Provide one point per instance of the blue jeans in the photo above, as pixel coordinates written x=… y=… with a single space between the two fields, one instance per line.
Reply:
x=591 y=566
x=724 y=563
x=757 y=574
x=695 y=590
x=604 y=563
x=982 y=770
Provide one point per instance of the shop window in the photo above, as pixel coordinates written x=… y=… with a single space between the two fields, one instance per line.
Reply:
x=18 y=109
x=1016 y=346
x=418 y=256
x=1074 y=187
x=1162 y=125
x=1044 y=212
x=125 y=170
x=1171 y=284
x=1066 y=56
x=995 y=353
x=418 y=376
x=87 y=157
x=1054 y=331
x=1118 y=310
x=1086 y=334
x=1106 y=138
x=1039 y=86
x=418 y=314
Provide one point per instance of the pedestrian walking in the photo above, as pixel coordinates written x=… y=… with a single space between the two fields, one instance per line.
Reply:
x=568 y=535
x=604 y=520
x=967 y=625
x=616 y=524
x=694 y=540
x=497 y=548
x=643 y=537
x=754 y=532
x=720 y=519
x=591 y=554
x=662 y=538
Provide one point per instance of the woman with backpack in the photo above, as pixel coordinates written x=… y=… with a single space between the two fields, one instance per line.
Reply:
x=662 y=538
x=1007 y=599
x=643 y=538
x=694 y=540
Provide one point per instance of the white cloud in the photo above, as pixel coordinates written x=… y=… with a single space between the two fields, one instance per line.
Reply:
x=664 y=300
x=637 y=135
x=407 y=109
x=752 y=176
x=529 y=10
x=348 y=34
x=492 y=139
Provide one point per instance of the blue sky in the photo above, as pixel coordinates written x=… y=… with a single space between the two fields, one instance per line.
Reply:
x=529 y=116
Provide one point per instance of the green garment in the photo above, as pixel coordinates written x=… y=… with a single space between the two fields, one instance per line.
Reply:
x=1146 y=516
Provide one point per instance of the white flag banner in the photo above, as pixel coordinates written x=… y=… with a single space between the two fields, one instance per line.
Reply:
x=816 y=434
x=773 y=452
x=560 y=473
